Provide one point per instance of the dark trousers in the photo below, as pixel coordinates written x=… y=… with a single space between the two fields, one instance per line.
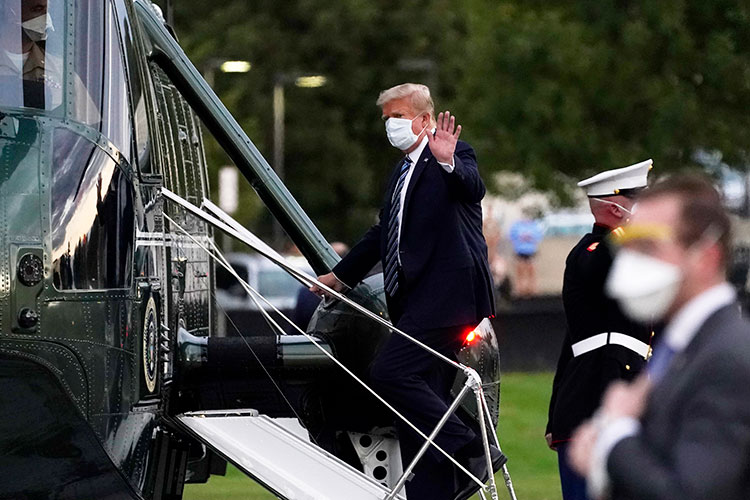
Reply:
x=418 y=385
x=573 y=485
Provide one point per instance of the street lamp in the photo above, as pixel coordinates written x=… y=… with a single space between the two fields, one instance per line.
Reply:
x=310 y=81
x=227 y=179
x=225 y=66
x=302 y=81
x=235 y=66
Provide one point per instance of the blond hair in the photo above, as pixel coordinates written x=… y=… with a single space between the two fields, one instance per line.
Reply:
x=421 y=100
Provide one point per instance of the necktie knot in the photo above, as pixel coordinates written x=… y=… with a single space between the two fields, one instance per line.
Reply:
x=406 y=163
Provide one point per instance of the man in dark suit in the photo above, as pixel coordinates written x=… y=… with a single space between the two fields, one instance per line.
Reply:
x=601 y=344
x=682 y=430
x=437 y=280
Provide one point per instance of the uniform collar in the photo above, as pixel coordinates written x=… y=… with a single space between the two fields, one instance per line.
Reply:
x=600 y=229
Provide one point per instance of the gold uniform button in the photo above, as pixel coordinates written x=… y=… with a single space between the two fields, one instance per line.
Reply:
x=627 y=367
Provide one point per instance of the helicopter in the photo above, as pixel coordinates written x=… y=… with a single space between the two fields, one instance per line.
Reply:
x=114 y=379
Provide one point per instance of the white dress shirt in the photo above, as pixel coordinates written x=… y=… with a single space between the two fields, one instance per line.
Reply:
x=414 y=157
x=677 y=335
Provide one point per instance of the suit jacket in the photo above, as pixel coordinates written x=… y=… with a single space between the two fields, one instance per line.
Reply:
x=581 y=381
x=695 y=438
x=445 y=279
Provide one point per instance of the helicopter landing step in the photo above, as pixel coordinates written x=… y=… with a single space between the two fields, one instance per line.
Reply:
x=289 y=466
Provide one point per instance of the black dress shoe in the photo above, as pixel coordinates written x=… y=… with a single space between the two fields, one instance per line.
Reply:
x=477 y=465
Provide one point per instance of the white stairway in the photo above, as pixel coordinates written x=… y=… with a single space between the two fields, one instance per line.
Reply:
x=288 y=465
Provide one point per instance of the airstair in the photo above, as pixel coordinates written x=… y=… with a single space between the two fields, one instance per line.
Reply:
x=279 y=459
x=285 y=463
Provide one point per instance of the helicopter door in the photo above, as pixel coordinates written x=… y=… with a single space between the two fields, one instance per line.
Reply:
x=190 y=271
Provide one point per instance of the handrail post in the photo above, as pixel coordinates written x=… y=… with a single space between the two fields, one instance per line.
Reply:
x=423 y=449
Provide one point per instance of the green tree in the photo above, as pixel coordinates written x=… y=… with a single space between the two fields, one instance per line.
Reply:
x=573 y=88
x=337 y=158
x=555 y=90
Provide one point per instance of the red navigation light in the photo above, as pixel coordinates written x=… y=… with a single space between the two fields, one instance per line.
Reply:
x=471 y=337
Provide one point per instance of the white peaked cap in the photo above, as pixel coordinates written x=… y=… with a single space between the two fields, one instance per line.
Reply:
x=615 y=181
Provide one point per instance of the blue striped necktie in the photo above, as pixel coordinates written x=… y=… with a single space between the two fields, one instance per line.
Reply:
x=391 y=255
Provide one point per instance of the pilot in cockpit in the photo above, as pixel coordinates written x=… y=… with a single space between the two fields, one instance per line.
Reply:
x=29 y=75
x=31 y=59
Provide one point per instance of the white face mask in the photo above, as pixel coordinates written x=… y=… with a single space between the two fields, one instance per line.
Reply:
x=400 y=134
x=629 y=212
x=38 y=28
x=644 y=286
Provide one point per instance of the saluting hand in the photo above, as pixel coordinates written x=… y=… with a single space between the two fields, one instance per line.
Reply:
x=443 y=143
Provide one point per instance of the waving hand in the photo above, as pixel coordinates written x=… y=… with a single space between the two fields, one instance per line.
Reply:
x=443 y=143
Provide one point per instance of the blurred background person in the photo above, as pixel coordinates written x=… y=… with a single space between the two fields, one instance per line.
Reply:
x=525 y=235
x=682 y=430
x=493 y=235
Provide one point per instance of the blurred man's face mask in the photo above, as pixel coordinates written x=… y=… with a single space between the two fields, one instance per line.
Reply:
x=38 y=28
x=646 y=286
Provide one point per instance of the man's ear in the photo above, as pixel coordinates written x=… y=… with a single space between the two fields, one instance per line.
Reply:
x=615 y=210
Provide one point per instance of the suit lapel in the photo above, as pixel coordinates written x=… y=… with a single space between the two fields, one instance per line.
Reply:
x=679 y=374
x=425 y=159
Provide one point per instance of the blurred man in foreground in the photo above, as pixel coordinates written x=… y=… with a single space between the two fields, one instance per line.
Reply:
x=682 y=430
x=601 y=343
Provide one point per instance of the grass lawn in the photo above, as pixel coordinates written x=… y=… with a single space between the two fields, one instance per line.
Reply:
x=523 y=415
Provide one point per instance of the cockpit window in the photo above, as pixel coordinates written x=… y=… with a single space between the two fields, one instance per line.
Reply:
x=64 y=57
x=100 y=87
x=32 y=65
x=92 y=217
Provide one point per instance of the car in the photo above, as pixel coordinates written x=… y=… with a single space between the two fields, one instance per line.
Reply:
x=238 y=313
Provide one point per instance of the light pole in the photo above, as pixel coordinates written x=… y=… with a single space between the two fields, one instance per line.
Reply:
x=302 y=81
x=227 y=181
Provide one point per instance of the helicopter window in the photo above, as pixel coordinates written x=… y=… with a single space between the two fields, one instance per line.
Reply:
x=137 y=91
x=88 y=62
x=92 y=217
x=99 y=86
x=32 y=34
x=36 y=71
x=116 y=124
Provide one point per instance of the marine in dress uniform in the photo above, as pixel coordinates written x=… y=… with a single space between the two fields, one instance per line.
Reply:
x=601 y=343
